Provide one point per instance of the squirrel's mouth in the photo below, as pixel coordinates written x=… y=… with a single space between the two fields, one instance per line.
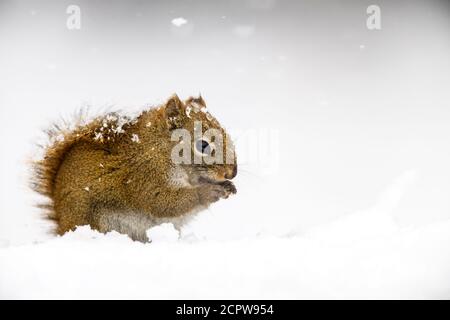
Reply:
x=207 y=180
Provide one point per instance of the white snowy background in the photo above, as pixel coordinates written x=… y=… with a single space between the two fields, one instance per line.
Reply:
x=343 y=139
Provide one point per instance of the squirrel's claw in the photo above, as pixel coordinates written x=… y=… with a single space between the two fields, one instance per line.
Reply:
x=229 y=187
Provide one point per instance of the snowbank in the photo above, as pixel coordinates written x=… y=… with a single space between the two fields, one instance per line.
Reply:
x=410 y=263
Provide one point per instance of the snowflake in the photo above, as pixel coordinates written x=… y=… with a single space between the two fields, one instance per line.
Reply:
x=178 y=22
x=135 y=138
x=188 y=111
x=98 y=136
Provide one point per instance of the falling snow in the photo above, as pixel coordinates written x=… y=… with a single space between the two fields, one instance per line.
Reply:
x=178 y=22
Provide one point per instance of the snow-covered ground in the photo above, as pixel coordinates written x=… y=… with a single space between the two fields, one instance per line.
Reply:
x=405 y=264
x=342 y=138
x=362 y=255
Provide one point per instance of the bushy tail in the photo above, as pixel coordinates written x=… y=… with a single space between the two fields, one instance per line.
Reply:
x=62 y=137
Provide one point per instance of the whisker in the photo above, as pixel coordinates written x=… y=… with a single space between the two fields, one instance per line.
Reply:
x=248 y=174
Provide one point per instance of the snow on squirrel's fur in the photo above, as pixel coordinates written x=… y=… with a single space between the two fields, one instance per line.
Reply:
x=61 y=137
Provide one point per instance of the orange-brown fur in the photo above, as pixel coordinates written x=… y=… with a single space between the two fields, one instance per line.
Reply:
x=99 y=174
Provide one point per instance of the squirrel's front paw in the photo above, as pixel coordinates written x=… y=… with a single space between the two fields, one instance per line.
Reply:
x=229 y=188
x=215 y=192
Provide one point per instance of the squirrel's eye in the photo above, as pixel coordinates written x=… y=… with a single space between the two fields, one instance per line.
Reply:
x=203 y=146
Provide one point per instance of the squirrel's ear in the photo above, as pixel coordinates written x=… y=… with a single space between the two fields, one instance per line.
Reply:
x=173 y=106
x=200 y=100
x=173 y=110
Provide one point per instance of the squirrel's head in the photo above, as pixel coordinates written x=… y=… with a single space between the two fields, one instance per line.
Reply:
x=200 y=145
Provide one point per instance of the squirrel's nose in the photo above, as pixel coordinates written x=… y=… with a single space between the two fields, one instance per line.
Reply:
x=231 y=172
